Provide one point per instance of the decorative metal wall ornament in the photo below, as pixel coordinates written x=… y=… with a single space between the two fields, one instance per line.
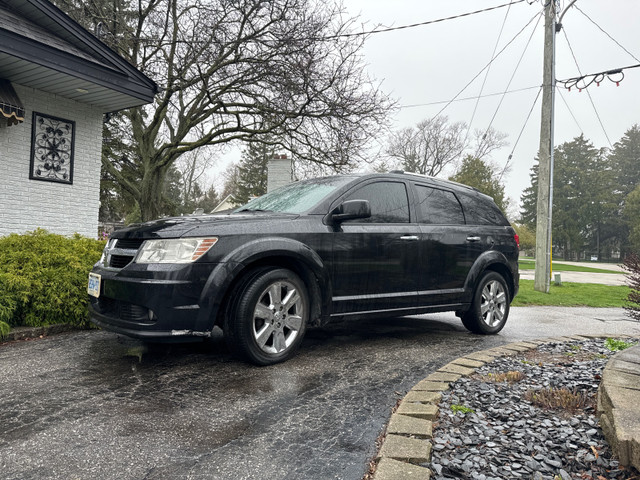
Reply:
x=52 y=145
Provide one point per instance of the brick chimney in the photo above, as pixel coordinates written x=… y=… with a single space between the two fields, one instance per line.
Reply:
x=279 y=172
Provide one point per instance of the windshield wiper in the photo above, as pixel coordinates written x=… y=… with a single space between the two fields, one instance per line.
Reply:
x=253 y=210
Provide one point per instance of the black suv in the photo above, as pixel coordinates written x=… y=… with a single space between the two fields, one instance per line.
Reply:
x=351 y=245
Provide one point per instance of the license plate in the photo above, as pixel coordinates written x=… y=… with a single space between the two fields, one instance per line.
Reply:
x=94 y=285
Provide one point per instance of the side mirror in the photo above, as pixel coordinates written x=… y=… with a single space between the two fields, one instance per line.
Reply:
x=350 y=210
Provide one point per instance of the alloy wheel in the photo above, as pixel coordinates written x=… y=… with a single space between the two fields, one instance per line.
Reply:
x=493 y=305
x=277 y=317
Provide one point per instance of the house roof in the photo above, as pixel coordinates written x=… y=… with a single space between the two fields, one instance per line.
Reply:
x=43 y=48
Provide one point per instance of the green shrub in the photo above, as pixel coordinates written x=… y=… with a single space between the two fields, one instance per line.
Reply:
x=4 y=330
x=615 y=345
x=43 y=278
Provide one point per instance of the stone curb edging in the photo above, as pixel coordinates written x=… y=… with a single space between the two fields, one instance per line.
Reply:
x=618 y=395
x=409 y=431
x=22 y=333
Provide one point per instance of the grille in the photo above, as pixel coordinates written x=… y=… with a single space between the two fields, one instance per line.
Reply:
x=120 y=261
x=124 y=310
x=129 y=243
x=123 y=251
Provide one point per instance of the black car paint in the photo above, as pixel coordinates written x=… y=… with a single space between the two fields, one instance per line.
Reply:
x=350 y=268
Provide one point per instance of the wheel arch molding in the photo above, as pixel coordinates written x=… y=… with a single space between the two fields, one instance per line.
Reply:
x=494 y=261
x=273 y=252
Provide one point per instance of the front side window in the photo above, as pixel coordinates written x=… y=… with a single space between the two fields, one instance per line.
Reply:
x=438 y=207
x=388 y=200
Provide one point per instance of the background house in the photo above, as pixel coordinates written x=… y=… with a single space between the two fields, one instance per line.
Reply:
x=56 y=83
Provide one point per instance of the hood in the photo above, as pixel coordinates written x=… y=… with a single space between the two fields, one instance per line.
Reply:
x=201 y=225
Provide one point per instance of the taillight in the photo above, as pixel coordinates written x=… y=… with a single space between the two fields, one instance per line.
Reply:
x=517 y=239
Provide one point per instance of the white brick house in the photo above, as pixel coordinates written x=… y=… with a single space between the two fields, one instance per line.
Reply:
x=56 y=83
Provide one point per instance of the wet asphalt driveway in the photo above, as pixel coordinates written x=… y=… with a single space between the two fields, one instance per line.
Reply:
x=94 y=405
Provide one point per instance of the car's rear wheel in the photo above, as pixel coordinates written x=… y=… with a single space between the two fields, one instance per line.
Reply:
x=490 y=306
x=268 y=319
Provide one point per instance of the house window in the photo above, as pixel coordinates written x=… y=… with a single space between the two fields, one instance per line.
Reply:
x=52 y=144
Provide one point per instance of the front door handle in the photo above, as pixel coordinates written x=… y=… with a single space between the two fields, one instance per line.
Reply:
x=410 y=238
x=473 y=239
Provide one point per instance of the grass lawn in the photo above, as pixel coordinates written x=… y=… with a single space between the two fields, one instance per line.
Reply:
x=572 y=295
x=563 y=267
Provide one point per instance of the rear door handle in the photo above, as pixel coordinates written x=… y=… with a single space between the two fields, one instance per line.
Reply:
x=473 y=239
x=410 y=238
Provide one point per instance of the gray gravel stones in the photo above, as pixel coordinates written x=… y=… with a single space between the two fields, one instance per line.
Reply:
x=507 y=437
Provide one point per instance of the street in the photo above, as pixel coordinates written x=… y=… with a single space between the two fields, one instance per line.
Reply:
x=91 y=404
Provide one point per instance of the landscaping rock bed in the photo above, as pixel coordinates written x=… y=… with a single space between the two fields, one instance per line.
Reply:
x=501 y=424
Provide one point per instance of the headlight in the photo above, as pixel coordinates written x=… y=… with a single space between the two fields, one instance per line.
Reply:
x=180 y=250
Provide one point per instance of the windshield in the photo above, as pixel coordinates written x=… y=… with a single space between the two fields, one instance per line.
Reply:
x=296 y=197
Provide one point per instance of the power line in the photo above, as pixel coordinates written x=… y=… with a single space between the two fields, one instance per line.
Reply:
x=429 y=22
x=489 y=64
x=506 y=165
x=591 y=78
x=513 y=75
x=588 y=93
x=486 y=75
x=359 y=34
x=440 y=102
x=570 y=111
x=603 y=31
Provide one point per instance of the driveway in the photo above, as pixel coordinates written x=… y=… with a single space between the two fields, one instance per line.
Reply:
x=94 y=405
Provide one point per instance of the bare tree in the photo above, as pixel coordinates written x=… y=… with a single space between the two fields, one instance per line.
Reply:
x=487 y=141
x=234 y=70
x=231 y=177
x=238 y=70
x=193 y=168
x=429 y=147
x=435 y=144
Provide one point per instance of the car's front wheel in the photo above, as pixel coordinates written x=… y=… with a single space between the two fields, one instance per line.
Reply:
x=269 y=317
x=490 y=306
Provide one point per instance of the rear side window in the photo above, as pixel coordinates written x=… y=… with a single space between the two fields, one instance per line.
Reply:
x=438 y=207
x=388 y=200
x=482 y=211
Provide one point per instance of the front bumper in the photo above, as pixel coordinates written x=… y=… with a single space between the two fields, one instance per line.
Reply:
x=153 y=301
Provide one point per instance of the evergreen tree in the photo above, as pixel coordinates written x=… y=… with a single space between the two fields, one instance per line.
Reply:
x=584 y=206
x=210 y=200
x=625 y=160
x=529 y=200
x=480 y=175
x=252 y=172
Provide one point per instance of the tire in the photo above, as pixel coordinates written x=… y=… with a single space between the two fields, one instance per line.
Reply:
x=490 y=305
x=267 y=320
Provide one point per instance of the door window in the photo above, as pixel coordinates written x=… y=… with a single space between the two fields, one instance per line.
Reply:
x=388 y=201
x=438 y=207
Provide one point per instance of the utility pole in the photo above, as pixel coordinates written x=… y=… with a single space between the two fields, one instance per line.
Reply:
x=545 y=155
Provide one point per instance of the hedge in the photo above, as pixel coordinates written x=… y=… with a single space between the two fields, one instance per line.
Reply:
x=43 y=278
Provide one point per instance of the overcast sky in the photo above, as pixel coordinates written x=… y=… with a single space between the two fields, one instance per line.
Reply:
x=432 y=63
x=426 y=66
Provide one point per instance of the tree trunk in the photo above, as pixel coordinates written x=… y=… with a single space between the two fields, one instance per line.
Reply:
x=150 y=200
